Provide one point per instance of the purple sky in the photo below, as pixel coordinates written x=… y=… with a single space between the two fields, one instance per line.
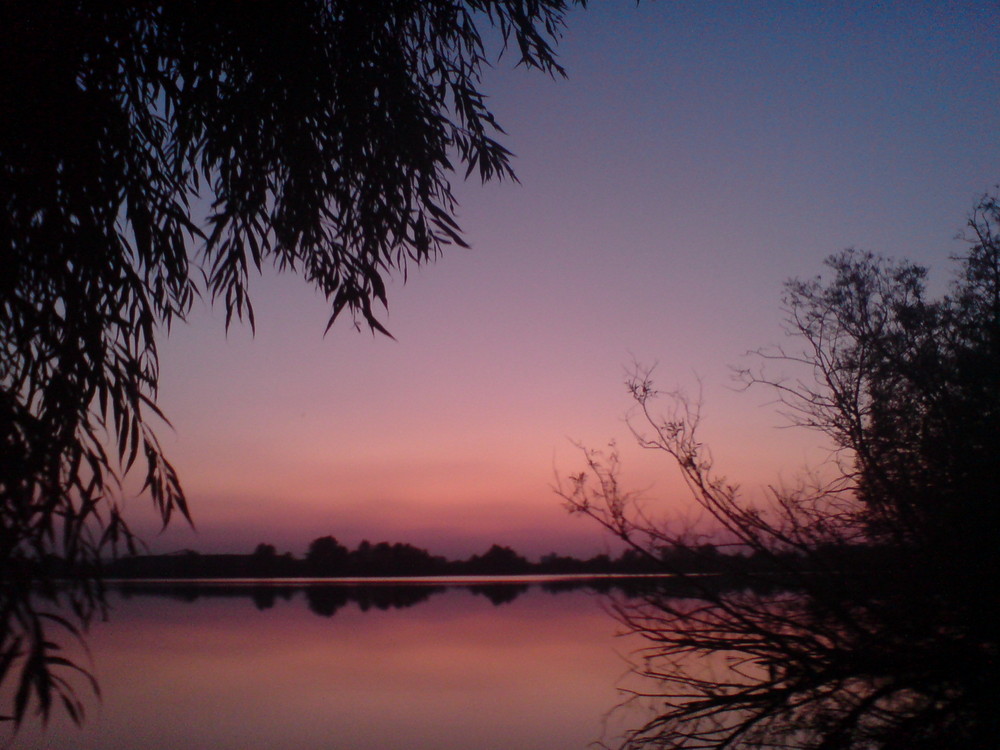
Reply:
x=699 y=154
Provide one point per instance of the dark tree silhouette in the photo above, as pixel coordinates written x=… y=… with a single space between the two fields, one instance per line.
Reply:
x=497 y=560
x=326 y=557
x=265 y=552
x=875 y=624
x=153 y=152
x=398 y=559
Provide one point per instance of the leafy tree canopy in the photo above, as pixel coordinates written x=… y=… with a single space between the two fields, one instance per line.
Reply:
x=153 y=152
x=908 y=388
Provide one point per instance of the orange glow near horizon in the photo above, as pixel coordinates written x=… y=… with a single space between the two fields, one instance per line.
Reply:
x=693 y=161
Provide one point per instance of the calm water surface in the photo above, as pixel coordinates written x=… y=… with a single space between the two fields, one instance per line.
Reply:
x=419 y=667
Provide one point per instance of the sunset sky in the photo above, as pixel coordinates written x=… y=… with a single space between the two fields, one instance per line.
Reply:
x=698 y=155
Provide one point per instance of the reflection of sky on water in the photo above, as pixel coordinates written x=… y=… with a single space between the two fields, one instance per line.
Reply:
x=454 y=671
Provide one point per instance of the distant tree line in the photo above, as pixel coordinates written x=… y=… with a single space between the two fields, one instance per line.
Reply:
x=327 y=557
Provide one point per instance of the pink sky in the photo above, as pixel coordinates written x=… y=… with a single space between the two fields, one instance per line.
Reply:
x=699 y=155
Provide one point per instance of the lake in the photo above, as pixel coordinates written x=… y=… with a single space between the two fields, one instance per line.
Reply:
x=512 y=665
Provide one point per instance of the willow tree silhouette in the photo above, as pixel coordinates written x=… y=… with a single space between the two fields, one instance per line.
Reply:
x=864 y=614
x=153 y=152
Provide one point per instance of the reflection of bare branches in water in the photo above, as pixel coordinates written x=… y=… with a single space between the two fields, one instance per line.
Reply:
x=751 y=669
x=861 y=615
x=823 y=646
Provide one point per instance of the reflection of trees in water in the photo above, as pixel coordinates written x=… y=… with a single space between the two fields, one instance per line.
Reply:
x=264 y=597
x=323 y=600
x=795 y=669
x=878 y=630
x=500 y=594
x=326 y=600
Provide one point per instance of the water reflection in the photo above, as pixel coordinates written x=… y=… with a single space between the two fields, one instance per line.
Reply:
x=530 y=664
x=880 y=658
x=307 y=666
x=325 y=597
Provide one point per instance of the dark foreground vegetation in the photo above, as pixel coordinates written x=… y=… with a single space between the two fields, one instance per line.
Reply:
x=899 y=651
x=155 y=153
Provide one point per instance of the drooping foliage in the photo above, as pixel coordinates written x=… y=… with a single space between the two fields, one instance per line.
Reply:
x=153 y=152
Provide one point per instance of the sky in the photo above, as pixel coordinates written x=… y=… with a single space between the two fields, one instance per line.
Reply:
x=698 y=155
